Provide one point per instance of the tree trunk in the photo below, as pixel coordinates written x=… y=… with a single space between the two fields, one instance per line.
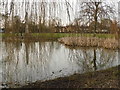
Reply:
x=27 y=53
x=95 y=28
x=26 y=24
x=94 y=60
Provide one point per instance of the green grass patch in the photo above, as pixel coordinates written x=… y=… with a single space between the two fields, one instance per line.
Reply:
x=58 y=35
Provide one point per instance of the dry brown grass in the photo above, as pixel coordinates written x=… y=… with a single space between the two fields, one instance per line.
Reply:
x=108 y=43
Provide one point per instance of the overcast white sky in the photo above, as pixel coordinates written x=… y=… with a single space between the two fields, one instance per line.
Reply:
x=63 y=14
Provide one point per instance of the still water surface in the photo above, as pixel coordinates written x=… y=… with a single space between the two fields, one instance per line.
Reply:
x=22 y=63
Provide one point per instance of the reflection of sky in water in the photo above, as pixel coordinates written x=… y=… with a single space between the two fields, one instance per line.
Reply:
x=43 y=61
x=0 y=62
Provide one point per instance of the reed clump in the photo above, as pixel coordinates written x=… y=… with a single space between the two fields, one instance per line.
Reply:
x=108 y=43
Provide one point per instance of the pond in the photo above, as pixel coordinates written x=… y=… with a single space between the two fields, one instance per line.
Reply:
x=27 y=62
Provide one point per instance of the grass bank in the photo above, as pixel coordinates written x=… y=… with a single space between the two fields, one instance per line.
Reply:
x=57 y=35
x=100 y=79
x=47 y=36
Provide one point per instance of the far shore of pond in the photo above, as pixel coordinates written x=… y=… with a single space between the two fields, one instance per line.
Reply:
x=56 y=35
x=109 y=78
x=48 y=36
x=107 y=41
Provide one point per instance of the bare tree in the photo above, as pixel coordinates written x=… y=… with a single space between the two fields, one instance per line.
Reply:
x=68 y=7
x=26 y=16
x=94 y=10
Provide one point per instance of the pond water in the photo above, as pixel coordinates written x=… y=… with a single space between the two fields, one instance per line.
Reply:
x=22 y=63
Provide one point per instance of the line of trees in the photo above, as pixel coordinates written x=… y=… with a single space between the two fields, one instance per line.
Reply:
x=43 y=16
x=32 y=16
x=98 y=15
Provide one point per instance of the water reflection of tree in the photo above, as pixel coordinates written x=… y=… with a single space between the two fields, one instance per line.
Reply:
x=84 y=58
x=39 y=60
x=10 y=59
x=27 y=47
x=106 y=58
x=40 y=56
x=27 y=62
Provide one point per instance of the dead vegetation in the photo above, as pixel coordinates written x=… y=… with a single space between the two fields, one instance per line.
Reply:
x=108 y=43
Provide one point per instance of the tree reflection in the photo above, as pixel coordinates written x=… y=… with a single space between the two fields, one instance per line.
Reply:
x=94 y=60
x=31 y=61
x=86 y=59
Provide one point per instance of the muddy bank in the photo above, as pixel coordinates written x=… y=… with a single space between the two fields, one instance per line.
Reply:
x=100 y=79
x=108 y=43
